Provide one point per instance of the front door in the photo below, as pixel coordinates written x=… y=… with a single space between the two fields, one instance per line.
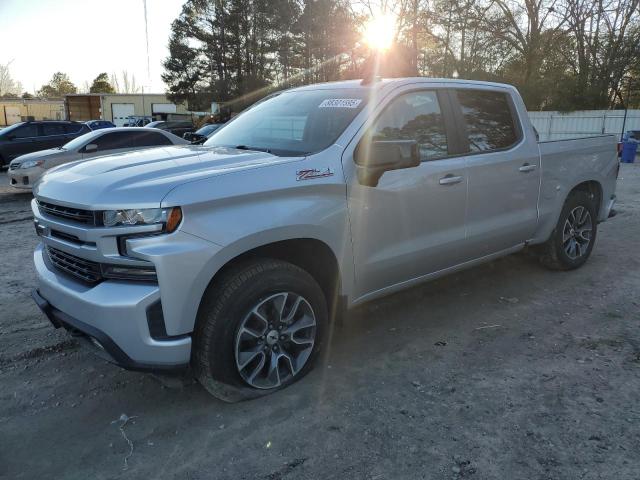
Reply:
x=413 y=222
x=503 y=169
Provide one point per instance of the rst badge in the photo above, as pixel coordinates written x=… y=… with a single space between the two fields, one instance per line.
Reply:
x=313 y=173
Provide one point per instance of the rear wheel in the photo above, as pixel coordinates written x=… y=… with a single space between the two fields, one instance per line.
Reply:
x=260 y=328
x=572 y=240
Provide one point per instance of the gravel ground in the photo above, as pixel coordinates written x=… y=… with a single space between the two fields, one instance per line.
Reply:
x=506 y=371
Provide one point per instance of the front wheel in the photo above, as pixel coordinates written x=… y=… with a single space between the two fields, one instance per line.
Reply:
x=260 y=328
x=572 y=240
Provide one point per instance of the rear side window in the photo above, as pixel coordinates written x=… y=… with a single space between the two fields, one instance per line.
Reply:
x=114 y=140
x=73 y=128
x=489 y=119
x=149 y=139
x=26 y=131
x=52 y=129
x=414 y=116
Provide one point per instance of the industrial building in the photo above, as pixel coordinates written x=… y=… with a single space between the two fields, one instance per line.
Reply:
x=118 y=107
x=19 y=110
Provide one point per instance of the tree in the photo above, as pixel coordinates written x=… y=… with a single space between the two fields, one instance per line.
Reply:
x=9 y=87
x=561 y=54
x=27 y=96
x=58 y=86
x=125 y=83
x=607 y=47
x=183 y=70
x=101 y=85
x=240 y=50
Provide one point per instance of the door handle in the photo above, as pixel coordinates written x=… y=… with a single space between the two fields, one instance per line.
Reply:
x=527 y=168
x=450 y=180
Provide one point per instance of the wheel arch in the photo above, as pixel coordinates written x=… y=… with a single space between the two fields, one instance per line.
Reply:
x=552 y=208
x=313 y=255
x=593 y=188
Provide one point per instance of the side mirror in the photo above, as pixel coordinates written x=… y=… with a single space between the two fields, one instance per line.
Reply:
x=374 y=158
x=11 y=138
x=90 y=147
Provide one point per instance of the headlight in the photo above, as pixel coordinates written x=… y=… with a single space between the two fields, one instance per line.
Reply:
x=170 y=217
x=32 y=163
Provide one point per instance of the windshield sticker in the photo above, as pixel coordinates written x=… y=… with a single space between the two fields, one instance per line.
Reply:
x=340 y=103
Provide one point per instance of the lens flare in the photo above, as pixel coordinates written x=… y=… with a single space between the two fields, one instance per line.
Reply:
x=380 y=31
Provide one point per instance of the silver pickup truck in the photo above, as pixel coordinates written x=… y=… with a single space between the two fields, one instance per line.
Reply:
x=234 y=257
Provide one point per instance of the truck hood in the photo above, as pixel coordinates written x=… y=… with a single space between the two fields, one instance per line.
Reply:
x=143 y=178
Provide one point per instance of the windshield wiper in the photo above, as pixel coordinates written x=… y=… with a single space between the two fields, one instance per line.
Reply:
x=257 y=149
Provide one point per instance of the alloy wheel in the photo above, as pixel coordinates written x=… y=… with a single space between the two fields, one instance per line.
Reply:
x=275 y=340
x=576 y=233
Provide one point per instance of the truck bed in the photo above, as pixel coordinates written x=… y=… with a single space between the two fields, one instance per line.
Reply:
x=566 y=163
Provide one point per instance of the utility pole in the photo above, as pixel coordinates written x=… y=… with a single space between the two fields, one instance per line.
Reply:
x=626 y=107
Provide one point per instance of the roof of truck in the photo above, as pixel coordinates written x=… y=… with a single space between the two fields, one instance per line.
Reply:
x=396 y=82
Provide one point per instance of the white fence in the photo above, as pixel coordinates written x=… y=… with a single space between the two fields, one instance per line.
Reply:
x=585 y=123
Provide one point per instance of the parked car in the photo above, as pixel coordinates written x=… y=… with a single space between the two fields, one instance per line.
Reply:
x=26 y=137
x=98 y=124
x=202 y=134
x=236 y=256
x=176 y=127
x=137 y=121
x=26 y=170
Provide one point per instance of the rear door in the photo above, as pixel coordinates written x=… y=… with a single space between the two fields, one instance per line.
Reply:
x=503 y=166
x=52 y=135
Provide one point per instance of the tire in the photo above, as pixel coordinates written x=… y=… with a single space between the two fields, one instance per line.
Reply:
x=574 y=236
x=241 y=313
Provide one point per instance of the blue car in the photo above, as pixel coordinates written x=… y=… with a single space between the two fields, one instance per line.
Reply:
x=98 y=124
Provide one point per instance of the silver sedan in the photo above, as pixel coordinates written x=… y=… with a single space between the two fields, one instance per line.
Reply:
x=26 y=170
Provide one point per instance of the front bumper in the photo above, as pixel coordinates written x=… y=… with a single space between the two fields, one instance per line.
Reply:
x=24 y=178
x=113 y=315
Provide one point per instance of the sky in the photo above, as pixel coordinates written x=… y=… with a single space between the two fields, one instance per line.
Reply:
x=84 y=38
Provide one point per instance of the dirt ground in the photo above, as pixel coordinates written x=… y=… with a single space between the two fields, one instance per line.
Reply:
x=506 y=371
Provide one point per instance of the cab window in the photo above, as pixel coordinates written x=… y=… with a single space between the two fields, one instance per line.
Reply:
x=415 y=116
x=489 y=120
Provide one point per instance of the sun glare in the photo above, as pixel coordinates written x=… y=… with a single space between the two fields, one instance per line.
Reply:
x=379 y=31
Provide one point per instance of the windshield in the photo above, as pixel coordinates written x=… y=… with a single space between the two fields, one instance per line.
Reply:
x=293 y=123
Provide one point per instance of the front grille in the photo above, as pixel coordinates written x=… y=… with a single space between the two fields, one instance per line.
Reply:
x=86 y=270
x=69 y=213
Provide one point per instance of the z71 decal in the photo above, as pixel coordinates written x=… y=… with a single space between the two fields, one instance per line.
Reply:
x=313 y=173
